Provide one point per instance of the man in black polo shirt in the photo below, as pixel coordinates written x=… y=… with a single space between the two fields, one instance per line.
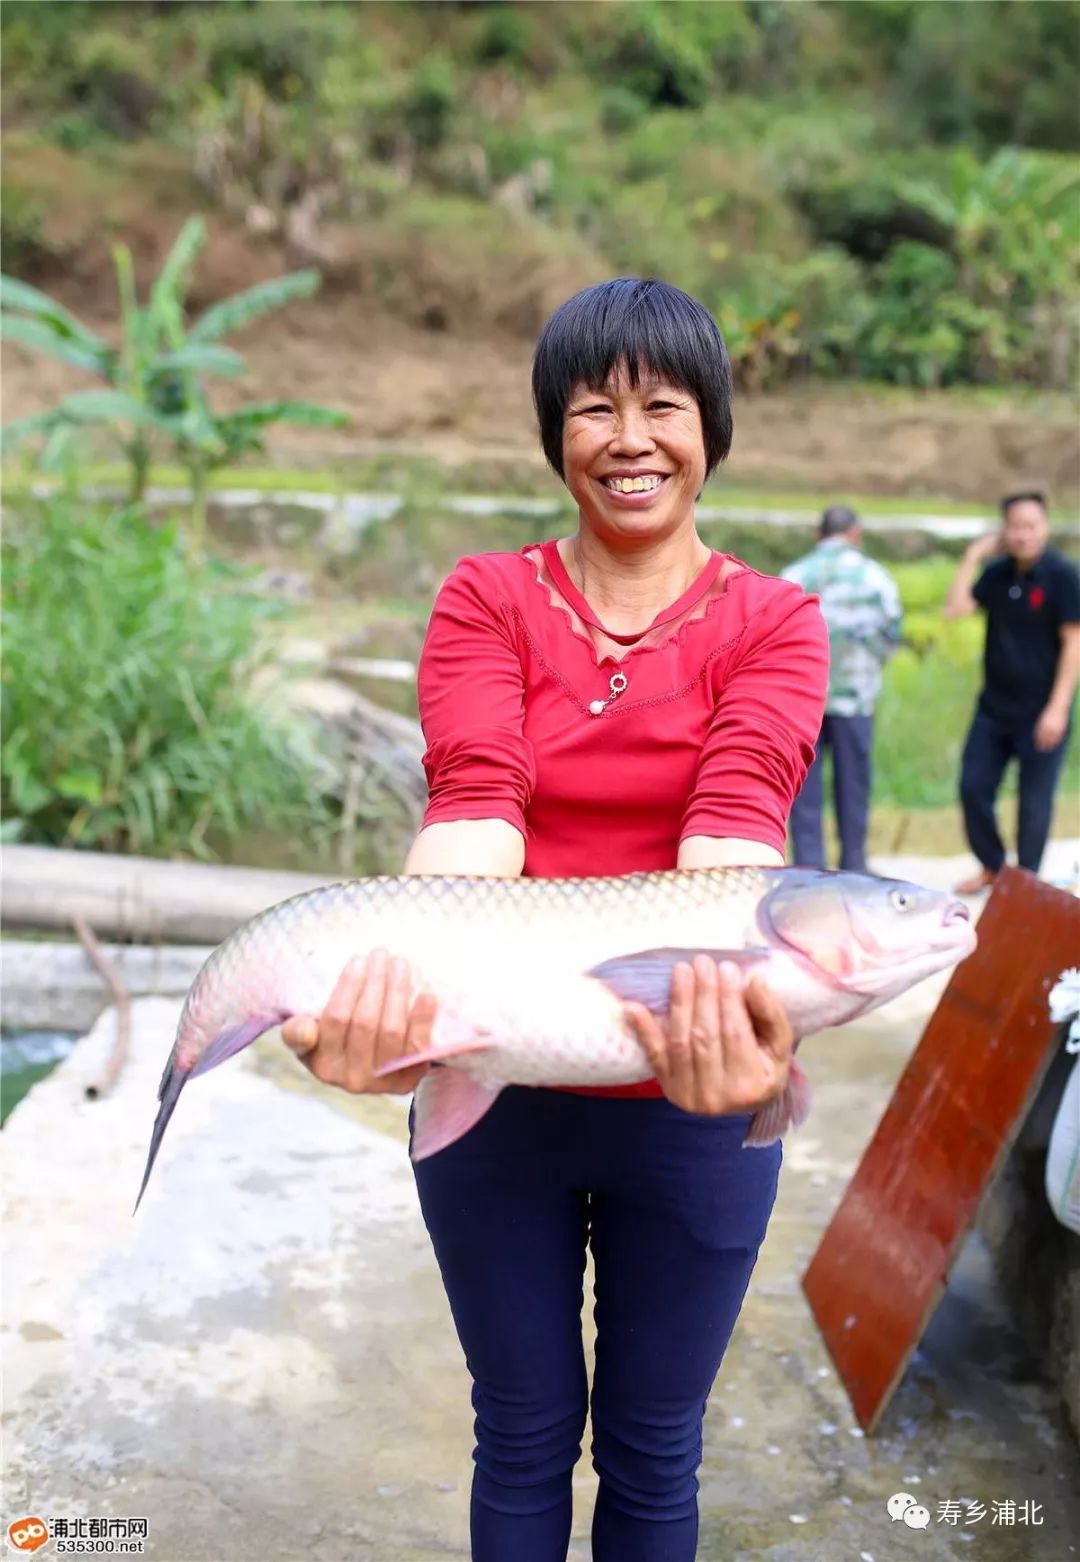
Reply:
x=1031 y=598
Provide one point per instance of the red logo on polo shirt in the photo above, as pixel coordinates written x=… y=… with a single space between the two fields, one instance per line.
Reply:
x=1036 y=597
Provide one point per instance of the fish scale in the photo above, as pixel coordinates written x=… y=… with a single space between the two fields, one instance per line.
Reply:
x=531 y=976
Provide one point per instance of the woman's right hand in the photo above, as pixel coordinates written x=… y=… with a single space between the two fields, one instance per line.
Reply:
x=726 y=1047
x=370 y=1019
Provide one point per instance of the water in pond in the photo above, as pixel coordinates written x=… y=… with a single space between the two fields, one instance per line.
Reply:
x=26 y=1057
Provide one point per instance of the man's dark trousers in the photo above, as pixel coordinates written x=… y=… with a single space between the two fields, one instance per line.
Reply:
x=989 y=747
x=850 y=738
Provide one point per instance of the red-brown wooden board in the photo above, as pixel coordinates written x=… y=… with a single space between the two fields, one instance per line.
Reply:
x=883 y=1261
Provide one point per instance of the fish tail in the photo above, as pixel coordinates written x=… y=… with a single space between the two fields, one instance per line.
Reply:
x=231 y=1040
x=789 y=1110
x=171 y=1086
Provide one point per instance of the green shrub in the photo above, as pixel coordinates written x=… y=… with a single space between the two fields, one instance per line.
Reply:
x=507 y=35
x=428 y=106
x=621 y=110
x=867 y=211
x=130 y=717
x=811 y=312
x=958 y=639
x=917 y=335
x=283 y=46
x=77 y=131
x=674 y=56
x=971 y=265
x=38 y=44
x=112 y=82
x=511 y=151
x=88 y=81
x=923 y=586
x=23 y=246
x=992 y=73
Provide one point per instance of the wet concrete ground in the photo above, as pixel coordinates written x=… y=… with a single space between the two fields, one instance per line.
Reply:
x=261 y=1363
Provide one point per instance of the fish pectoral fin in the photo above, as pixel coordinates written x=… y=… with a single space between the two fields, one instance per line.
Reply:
x=789 y=1110
x=446 y=1105
x=645 y=976
x=435 y=1055
x=451 y=1038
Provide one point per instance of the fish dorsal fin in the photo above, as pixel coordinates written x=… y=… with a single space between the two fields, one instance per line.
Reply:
x=645 y=976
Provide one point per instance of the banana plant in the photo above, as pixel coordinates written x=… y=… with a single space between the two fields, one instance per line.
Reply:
x=206 y=440
x=154 y=380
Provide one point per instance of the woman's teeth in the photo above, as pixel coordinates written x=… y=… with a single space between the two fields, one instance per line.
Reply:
x=632 y=485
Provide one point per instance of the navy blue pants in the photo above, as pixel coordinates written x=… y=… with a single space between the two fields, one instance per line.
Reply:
x=850 y=738
x=673 y=1210
x=990 y=746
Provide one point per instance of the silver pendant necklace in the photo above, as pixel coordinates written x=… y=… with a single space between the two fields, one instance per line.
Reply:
x=617 y=683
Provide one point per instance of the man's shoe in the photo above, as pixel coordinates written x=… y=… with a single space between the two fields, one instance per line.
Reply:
x=984 y=879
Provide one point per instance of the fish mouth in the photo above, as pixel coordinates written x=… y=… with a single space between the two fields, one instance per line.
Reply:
x=959 y=930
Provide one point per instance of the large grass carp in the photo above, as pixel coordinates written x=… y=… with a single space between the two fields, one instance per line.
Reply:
x=531 y=974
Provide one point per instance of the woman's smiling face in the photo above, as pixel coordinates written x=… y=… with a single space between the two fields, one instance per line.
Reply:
x=633 y=455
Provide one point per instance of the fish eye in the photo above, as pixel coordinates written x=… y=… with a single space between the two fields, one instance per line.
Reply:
x=900 y=900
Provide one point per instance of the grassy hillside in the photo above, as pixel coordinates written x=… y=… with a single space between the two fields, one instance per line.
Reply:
x=880 y=189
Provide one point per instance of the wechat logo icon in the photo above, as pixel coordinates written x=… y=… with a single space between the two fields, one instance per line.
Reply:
x=903 y=1506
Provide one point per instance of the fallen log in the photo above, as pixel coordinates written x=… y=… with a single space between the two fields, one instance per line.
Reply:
x=54 y=986
x=138 y=898
x=372 y=667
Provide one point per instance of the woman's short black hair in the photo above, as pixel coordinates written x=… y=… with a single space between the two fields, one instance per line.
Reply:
x=646 y=325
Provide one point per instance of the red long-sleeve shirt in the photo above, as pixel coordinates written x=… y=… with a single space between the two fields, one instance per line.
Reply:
x=712 y=735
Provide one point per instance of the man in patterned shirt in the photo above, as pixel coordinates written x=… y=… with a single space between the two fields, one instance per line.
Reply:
x=862 y=610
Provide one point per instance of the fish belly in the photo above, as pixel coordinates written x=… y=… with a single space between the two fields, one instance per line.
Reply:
x=562 y=1030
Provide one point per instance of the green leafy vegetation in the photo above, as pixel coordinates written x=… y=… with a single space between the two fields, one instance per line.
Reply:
x=23 y=246
x=130 y=713
x=156 y=377
x=879 y=188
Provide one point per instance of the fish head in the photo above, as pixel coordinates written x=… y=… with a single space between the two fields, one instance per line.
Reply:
x=864 y=935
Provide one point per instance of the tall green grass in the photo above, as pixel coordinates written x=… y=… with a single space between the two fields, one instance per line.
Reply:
x=131 y=721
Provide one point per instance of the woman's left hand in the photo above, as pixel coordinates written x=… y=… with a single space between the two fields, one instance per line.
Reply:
x=726 y=1047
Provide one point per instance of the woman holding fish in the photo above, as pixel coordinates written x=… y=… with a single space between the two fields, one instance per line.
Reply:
x=622 y=700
